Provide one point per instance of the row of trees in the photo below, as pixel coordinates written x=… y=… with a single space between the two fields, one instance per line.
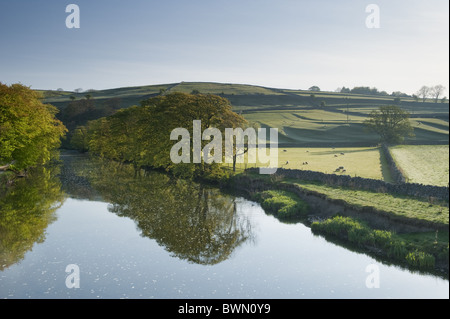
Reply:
x=363 y=90
x=141 y=134
x=29 y=130
x=433 y=92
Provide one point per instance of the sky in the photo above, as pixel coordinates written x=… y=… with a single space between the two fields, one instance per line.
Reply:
x=291 y=44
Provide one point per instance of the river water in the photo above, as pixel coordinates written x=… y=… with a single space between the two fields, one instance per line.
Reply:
x=86 y=229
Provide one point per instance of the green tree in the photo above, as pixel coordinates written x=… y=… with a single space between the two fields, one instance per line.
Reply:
x=391 y=123
x=141 y=134
x=26 y=210
x=29 y=131
x=192 y=222
x=79 y=140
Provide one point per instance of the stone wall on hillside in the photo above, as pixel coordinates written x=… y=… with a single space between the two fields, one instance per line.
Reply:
x=410 y=189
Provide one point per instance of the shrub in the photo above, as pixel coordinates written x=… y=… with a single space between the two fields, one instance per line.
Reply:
x=382 y=238
x=361 y=235
x=282 y=204
x=397 y=250
x=420 y=259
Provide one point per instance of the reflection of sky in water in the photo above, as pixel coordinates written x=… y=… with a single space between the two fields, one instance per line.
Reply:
x=280 y=261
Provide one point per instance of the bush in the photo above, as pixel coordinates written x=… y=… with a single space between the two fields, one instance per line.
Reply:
x=337 y=226
x=382 y=238
x=397 y=250
x=359 y=233
x=282 y=204
x=420 y=259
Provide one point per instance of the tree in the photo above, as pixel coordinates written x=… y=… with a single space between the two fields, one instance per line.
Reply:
x=423 y=92
x=391 y=123
x=314 y=88
x=345 y=90
x=191 y=221
x=29 y=131
x=26 y=210
x=79 y=140
x=140 y=135
x=364 y=90
x=436 y=91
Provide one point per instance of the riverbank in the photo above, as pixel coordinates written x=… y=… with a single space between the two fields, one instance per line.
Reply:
x=414 y=231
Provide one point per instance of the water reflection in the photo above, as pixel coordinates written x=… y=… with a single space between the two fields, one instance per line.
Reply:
x=189 y=220
x=26 y=209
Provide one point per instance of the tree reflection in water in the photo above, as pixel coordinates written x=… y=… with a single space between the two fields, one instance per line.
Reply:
x=26 y=210
x=191 y=221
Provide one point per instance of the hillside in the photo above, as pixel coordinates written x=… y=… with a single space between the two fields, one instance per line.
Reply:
x=304 y=118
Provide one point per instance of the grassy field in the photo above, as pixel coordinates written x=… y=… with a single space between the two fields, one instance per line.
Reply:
x=397 y=205
x=312 y=131
x=424 y=164
x=300 y=119
x=366 y=162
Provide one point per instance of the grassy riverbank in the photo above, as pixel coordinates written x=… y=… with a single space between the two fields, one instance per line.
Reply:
x=423 y=251
x=426 y=250
x=399 y=206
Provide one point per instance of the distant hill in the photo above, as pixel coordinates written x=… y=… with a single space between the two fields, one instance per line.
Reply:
x=303 y=117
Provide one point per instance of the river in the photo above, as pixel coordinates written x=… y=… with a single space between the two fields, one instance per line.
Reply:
x=91 y=229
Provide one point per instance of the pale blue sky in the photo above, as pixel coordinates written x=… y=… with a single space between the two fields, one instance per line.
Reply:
x=283 y=43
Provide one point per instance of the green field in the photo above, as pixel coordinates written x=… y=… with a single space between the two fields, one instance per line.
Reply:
x=423 y=164
x=314 y=129
x=402 y=206
x=366 y=162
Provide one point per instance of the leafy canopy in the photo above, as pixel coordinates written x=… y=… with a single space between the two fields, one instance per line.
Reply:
x=391 y=123
x=29 y=130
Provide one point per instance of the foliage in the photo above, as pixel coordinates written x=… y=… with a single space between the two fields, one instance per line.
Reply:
x=29 y=129
x=191 y=221
x=26 y=209
x=391 y=123
x=282 y=204
x=79 y=139
x=141 y=134
x=420 y=259
x=401 y=207
x=393 y=246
